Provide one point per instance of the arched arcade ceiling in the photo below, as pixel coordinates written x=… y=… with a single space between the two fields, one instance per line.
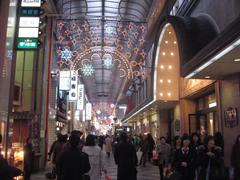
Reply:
x=112 y=30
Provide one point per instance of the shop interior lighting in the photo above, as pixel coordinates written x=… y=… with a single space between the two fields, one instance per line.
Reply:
x=169 y=67
x=169 y=94
x=163 y=53
x=162 y=67
x=169 y=81
x=169 y=32
x=237 y=60
x=172 y=53
x=161 y=94
x=166 y=42
x=215 y=58
x=214 y=104
x=161 y=81
x=174 y=42
x=207 y=77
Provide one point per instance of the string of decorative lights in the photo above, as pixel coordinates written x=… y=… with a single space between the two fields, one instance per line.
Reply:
x=122 y=46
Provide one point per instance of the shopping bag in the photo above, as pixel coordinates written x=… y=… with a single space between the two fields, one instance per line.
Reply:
x=139 y=155
x=108 y=177
x=155 y=158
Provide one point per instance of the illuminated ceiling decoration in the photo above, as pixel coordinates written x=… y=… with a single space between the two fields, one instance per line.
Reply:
x=87 y=69
x=104 y=111
x=120 y=43
x=66 y=55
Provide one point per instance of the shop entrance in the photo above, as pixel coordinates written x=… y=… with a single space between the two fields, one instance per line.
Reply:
x=204 y=124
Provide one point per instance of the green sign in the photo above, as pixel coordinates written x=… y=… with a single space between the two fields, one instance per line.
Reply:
x=27 y=43
x=31 y=12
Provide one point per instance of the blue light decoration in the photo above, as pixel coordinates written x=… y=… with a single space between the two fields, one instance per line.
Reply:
x=87 y=69
x=107 y=62
x=66 y=55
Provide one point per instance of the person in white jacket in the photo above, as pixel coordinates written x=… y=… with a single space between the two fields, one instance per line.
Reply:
x=95 y=157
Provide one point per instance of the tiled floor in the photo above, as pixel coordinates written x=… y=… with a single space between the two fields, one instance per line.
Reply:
x=149 y=172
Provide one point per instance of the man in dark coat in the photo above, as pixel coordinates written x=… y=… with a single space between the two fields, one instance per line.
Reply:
x=28 y=159
x=126 y=159
x=72 y=163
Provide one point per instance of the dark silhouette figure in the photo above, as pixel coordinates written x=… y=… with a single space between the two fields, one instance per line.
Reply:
x=28 y=159
x=72 y=163
x=126 y=159
x=235 y=158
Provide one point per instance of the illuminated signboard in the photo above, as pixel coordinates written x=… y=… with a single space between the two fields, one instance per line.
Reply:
x=80 y=101
x=31 y=3
x=74 y=88
x=83 y=116
x=30 y=12
x=65 y=80
x=88 y=111
x=28 y=32
x=27 y=43
x=29 y=22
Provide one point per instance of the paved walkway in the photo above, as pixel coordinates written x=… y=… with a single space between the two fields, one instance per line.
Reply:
x=149 y=172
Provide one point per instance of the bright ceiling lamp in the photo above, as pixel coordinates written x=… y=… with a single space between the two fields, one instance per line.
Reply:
x=87 y=69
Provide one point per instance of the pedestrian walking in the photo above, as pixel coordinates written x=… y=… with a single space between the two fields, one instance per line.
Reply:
x=151 y=145
x=95 y=157
x=184 y=160
x=211 y=162
x=28 y=159
x=72 y=163
x=144 y=150
x=235 y=158
x=126 y=159
x=164 y=152
x=108 y=147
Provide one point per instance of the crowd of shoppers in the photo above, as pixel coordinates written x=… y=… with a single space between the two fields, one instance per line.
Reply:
x=187 y=157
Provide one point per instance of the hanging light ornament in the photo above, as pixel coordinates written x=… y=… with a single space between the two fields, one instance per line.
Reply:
x=108 y=62
x=66 y=55
x=87 y=69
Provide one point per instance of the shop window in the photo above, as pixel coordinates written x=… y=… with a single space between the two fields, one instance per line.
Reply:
x=206 y=102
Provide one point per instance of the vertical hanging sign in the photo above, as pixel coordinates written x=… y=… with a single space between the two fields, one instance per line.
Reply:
x=74 y=89
x=80 y=101
x=88 y=111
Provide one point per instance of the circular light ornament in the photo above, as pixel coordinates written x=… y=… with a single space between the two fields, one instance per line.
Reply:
x=98 y=112
x=112 y=105
x=87 y=69
x=66 y=55
x=109 y=29
x=107 y=62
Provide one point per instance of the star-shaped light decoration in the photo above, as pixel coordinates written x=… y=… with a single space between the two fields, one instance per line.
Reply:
x=66 y=55
x=87 y=69
x=107 y=62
